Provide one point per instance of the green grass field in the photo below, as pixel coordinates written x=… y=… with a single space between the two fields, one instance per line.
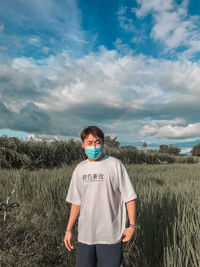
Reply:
x=168 y=215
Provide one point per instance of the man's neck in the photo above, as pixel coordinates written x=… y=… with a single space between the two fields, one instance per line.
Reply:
x=102 y=156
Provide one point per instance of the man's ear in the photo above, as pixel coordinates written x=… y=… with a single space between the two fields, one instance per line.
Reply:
x=82 y=145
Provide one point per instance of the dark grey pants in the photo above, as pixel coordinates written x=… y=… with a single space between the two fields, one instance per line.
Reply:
x=106 y=255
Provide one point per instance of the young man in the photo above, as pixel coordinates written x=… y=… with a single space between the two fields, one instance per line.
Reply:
x=100 y=190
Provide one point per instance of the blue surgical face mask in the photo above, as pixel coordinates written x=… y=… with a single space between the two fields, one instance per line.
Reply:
x=93 y=152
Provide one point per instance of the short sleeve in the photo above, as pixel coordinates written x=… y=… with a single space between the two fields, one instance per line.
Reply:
x=74 y=195
x=125 y=185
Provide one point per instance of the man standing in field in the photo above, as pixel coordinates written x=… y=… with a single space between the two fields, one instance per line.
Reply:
x=100 y=190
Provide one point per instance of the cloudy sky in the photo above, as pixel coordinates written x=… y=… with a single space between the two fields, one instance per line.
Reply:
x=130 y=67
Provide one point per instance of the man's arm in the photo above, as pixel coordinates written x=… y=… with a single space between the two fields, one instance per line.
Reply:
x=131 y=208
x=74 y=212
x=129 y=231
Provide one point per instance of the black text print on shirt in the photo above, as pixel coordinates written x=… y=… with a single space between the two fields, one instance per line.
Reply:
x=95 y=177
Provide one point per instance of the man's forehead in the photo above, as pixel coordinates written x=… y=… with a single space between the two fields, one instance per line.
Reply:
x=90 y=137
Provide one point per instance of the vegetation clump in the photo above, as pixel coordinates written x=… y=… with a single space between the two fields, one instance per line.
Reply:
x=15 y=153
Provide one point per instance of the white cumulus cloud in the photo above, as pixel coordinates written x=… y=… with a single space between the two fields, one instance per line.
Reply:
x=171 y=130
x=122 y=92
x=173 y=26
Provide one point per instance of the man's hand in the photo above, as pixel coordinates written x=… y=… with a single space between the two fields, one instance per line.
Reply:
x=128 y=234
x=67 y=240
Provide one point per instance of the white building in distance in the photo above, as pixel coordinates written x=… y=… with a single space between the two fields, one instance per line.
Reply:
x=42 y=137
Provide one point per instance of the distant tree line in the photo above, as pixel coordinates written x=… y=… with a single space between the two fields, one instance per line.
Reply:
x=15 y=153
x=172 y=150
x=196 y=150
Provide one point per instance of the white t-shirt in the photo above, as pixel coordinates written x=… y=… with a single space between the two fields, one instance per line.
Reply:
x=101 y=188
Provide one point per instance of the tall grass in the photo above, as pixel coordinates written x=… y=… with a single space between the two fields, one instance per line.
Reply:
x=168 y=216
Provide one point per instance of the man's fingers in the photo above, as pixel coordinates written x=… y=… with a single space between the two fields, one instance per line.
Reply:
x=71 y=246
x=125 y=240
x=67 y=244
x=67 y=241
